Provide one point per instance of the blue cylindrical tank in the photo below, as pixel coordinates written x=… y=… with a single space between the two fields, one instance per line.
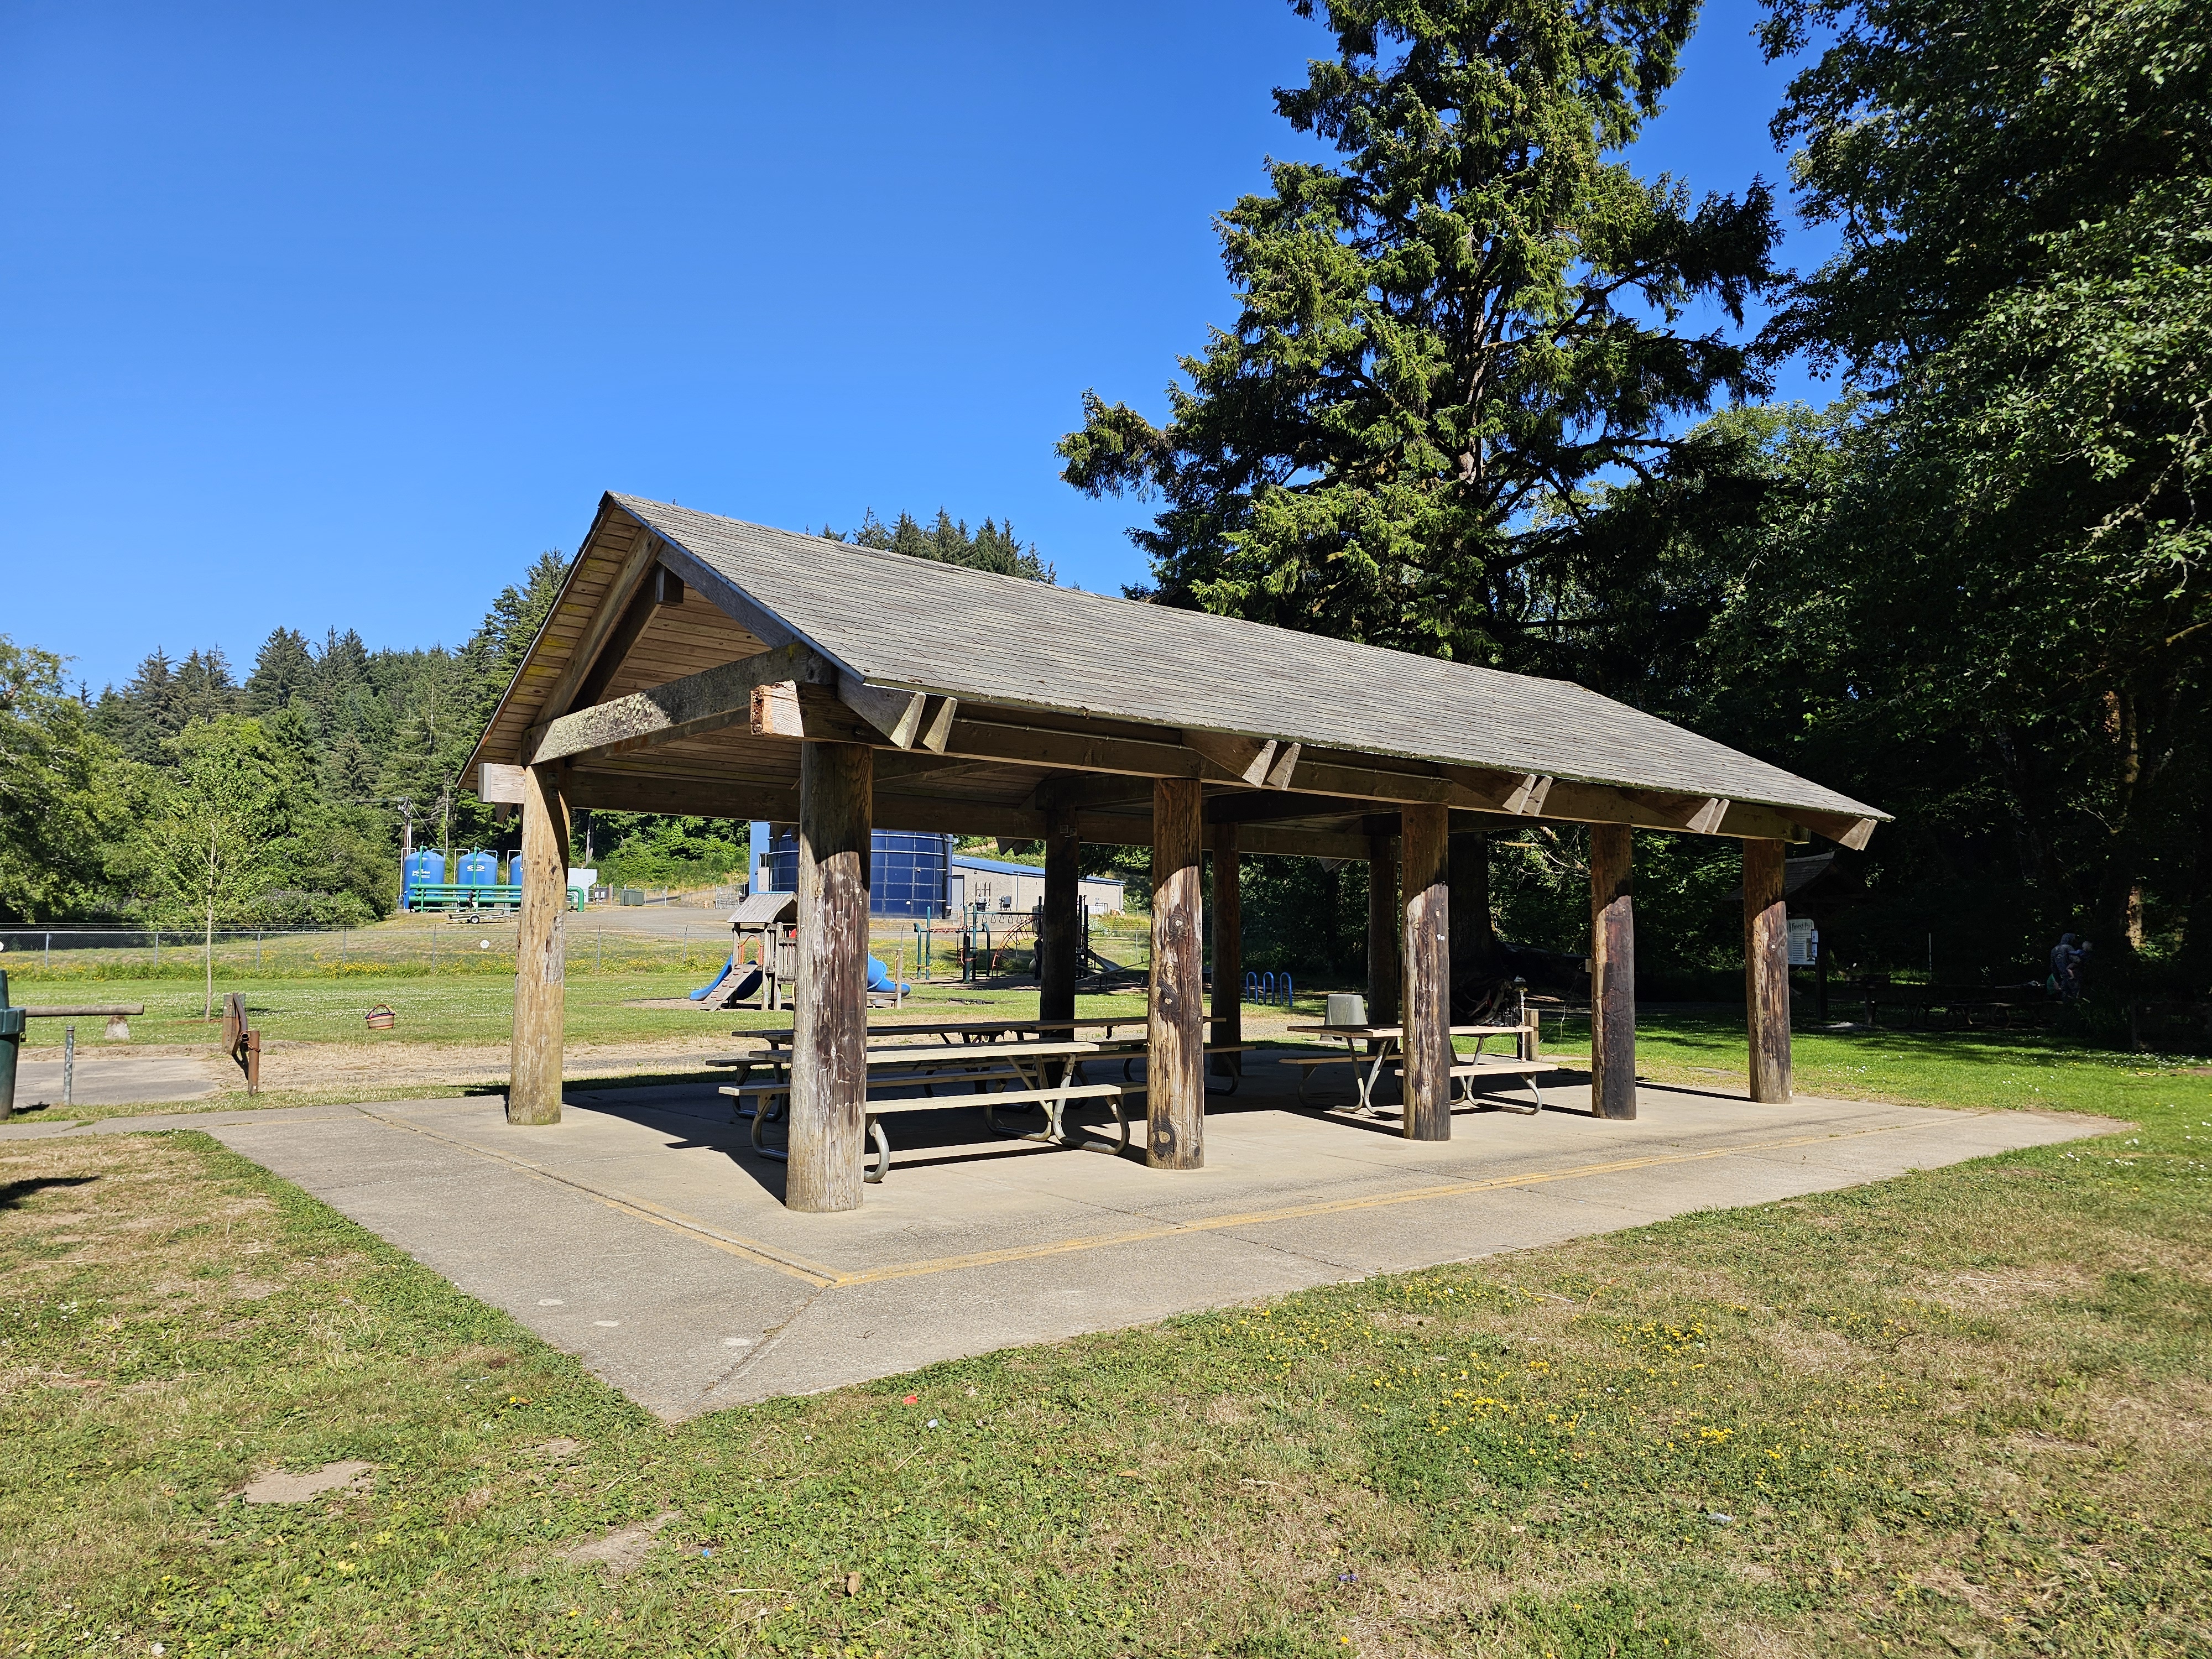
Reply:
x=420 y=869
x=478 y=869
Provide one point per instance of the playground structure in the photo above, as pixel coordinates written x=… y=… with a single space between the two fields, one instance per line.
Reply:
x=763 y=971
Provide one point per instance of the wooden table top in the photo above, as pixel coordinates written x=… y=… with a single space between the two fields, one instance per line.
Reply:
x=781 y=1036
x=1381 y=1032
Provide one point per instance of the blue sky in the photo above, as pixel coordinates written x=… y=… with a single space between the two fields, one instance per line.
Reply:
x=339 y=314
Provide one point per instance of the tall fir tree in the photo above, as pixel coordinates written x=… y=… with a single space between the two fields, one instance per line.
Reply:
x=1449 y=342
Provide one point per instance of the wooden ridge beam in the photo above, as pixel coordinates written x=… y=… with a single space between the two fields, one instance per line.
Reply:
x=705 y=702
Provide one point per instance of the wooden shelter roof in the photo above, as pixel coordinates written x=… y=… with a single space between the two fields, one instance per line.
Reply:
x=1005 y=697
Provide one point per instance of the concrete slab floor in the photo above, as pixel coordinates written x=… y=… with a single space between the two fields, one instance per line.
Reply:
x=103 y=1078
x=643 y=1234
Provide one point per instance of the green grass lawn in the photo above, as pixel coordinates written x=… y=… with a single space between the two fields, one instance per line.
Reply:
x=1962 y=1411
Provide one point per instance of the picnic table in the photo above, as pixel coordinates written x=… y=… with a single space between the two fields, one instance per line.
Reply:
x=1383 y=1044
x=969 y=1030
x=1039 y=1072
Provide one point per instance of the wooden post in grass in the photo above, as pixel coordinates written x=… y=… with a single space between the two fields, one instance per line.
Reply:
x=830 y=1034
x=533 y=1090
x=1383 y=926
x=1426 y=1047
x=1061 y=928
x=1228 y=947
x=1766 y=969
x=1174 y=1046
x=1612 y=972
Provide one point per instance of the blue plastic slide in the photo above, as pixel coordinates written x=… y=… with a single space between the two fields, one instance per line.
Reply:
x=708 y=990
x=879 y=976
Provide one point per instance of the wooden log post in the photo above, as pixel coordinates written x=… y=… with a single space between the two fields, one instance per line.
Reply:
x=1228 y=949
x=533 y=1090
x=1175 y=1048
x=829 y=1031
x=1427 y=1045
x=1767 y=969
x=1383 y=926
x=1612 y=972
x=1059 y=936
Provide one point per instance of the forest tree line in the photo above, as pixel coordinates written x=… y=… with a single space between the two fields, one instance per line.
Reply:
x=194 y=795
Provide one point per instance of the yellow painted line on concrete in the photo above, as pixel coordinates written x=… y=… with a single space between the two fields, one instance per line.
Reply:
x=1331 y=1207
x=750 y=1250
x=829 y=1277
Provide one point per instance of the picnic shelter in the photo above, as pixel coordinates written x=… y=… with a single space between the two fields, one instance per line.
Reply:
x=701 y=666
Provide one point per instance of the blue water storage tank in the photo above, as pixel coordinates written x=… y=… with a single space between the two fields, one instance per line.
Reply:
x=478 y=869
x=905 y=871
x=420 y=869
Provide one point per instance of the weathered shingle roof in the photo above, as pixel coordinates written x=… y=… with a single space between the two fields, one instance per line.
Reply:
x=898 y=621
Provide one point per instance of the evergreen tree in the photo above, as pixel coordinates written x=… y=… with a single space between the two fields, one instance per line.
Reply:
x=203 y=690
x=283 y=670
x=994 y=547
x=1446 y=342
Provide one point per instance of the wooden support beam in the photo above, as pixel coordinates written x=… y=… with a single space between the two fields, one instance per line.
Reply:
x=1767 y=969
x=1497 y=792
x=829 y=1038
x=1246 y=760
x=1383 y=966
x=1426 y=1046
x=1612 y=972
x=1266 y=838
x=1228 y=944
x=937 y=723
x=1060 y=937
x=614 y=605
x=895 y=714
x=793 y=693
x=502 y=786
x=659 y=587
x=1842 y=828
x=705 y=702
x=533 y=1088
x=1175 y=1048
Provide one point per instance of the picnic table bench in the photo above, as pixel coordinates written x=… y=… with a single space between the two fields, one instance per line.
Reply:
x=1383 y=1042
x=1040 y=1071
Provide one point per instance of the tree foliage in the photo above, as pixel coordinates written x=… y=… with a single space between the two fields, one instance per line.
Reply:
x=1447 y=340
x=60 y=812
x=2012 y=532
x=993 y=547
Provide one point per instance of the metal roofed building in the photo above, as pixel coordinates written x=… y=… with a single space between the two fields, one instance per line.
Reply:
x=699 y=665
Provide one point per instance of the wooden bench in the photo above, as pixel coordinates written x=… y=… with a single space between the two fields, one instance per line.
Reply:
x=1465 y=1072
x=1055 y=1102
x=1305 y=1063
x=1132 y=1049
